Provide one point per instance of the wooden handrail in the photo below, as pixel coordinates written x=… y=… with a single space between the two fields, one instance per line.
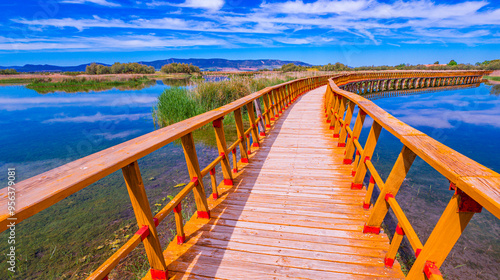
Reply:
x=475 y=185
x=476 y=180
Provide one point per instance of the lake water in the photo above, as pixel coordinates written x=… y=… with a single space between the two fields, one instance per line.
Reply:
x=44 y=131
x=41 y=132
x=468 y=121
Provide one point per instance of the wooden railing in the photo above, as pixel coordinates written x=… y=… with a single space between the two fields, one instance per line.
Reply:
x=475 y=186
x=471 y=179
x=42 y=191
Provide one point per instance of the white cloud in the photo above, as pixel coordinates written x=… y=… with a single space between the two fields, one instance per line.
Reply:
x=98 y=117
x=123 y=134
x=212 y=5
x=98 y=2
x=319 y=7
x=94 y=100
x=370 y=21
x=106 y=43
x=166 y=23
x=204 y=4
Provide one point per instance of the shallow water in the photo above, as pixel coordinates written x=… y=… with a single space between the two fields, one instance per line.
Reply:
x=468 y=121
x=52 y=129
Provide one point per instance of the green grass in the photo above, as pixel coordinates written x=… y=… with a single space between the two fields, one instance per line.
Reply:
x=82 y=84
x=176 y=104
x=16 y=81
x=493 y=78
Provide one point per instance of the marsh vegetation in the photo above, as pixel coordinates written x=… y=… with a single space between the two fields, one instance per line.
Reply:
x=176 y=104
x=84 y=85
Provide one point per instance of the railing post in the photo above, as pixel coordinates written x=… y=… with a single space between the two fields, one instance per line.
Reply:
x=267 y=109
x=222 y=148
x=370 y=144
x=350 y=147
x=260 y=123
x=179 y=224
x=241 y=135
x=251 y=117
x=328 y=93
x=281 y=93
x=392 y=185
x=347 y=122
x=274 y=104
x=329 y=103
x=195 y=174
x=285 y=97
x=144 y=217
x=340 y=114
x=393 y=249
x=444 y=235
x=213 y=180
x=332 y=119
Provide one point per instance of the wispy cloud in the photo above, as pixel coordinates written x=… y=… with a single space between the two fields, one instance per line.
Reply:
x=94 y=100
x=119 y=135
x=98 y=2
x=212 y=5
x=294 y=22
x=98 y=117
x=107 y=43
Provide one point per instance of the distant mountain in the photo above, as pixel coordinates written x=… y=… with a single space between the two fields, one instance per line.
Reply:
x=213 y=64
x=221 y=64
x=47 y=68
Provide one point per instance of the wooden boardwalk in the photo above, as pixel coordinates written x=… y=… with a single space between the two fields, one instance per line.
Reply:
x=291 y=213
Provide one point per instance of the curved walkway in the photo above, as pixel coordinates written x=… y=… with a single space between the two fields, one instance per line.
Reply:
x=291 y=213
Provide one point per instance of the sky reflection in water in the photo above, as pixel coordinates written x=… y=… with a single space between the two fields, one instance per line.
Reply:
x=467 y=120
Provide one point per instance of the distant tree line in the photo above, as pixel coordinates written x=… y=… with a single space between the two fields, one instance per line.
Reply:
x=119 y=68
x=8 y=72
x=452 y=65
x=180 y=68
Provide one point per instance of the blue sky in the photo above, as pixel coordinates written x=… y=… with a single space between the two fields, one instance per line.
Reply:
x=355 y=32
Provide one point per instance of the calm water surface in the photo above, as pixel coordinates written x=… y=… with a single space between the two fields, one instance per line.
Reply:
x=47 y=130
x=468 y=121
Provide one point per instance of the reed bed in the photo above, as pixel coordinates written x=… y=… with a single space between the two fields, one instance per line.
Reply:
x=176 y=104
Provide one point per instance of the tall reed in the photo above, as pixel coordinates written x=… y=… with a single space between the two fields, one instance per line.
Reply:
x=176 y=104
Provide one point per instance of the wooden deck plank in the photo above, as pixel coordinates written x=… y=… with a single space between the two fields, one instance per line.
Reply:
x=290 y=214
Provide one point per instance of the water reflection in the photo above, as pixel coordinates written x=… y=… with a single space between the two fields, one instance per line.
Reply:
x=91 y=88
x=468 y=121
x=495 y=90
x=176 y=82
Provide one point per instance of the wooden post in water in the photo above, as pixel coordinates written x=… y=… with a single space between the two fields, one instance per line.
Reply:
x=144 y=217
